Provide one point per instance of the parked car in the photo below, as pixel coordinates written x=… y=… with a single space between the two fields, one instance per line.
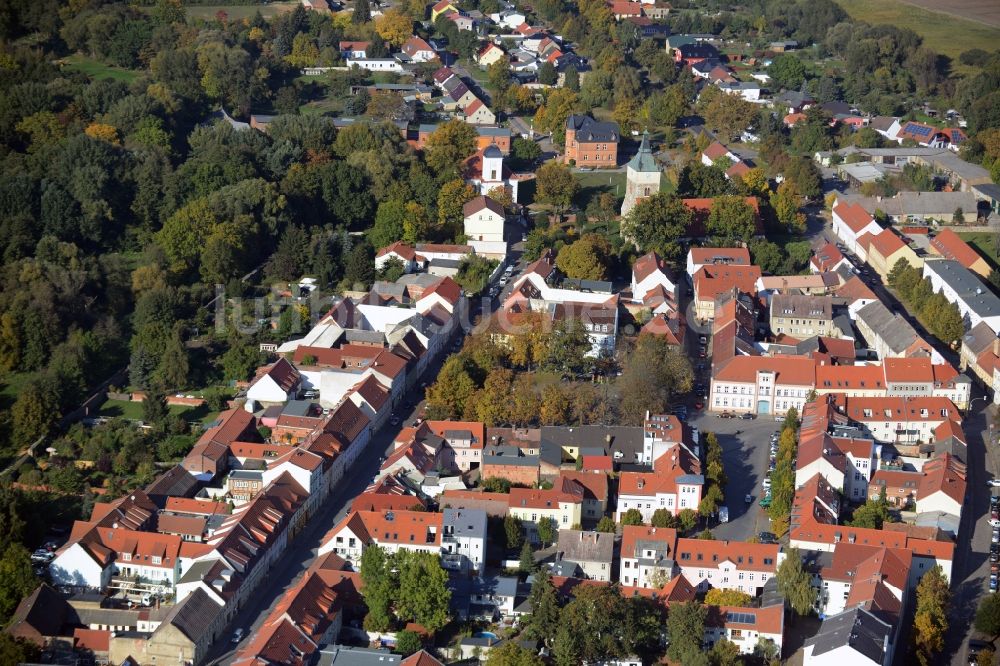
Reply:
x=749 y=416
x=237 y=636
x=767 y=537
x=703 y=340
x=748 y=499
x=993 y=483
x=766 y=484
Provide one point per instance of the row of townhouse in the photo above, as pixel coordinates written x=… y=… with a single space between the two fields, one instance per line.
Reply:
x=652 y=556
x=457 y=535
x=773 y=385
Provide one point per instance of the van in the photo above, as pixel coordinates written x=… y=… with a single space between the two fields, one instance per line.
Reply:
x=723 y=514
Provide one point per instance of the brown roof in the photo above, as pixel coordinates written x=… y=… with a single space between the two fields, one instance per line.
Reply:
x=648 y=264
x=283 y=374
x=632 y=534
x=473 y=206
x=715 y=151
x=595 y=484
x=711 y=281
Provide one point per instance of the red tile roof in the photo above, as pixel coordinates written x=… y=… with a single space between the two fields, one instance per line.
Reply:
x=853 y=215
x=793 y=370
x=473 y=206
x=768 y=620
x=648 y=264
x=632 y=534
x=404 y=250
x=950 y=246
x=887 y=243
x=715 y=150
x=711 y=281
x=711 y=553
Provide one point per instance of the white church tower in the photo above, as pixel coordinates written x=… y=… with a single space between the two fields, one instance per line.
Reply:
x=642 y=176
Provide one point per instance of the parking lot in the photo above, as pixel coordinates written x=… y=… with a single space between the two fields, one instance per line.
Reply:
x=745 y=445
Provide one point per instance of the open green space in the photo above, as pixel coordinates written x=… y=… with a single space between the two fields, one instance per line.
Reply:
x=98 y=70
x=595 y=183
x=240 y=12
x=133 y=411
x=942 y=32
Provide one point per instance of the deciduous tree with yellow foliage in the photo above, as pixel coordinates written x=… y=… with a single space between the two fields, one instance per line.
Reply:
x=394 y=27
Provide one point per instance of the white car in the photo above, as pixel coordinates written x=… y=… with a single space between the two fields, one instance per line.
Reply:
x=995 y=483
x=994 y=522
x=237 y=636
x=766 y=484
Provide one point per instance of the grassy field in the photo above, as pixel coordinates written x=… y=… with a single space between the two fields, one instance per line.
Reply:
x=595 y=183
x=942 y=32
x=98 y=70
x=240 y=12
x=133 y=411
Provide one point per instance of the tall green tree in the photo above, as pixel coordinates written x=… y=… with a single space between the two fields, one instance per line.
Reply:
x=543 y=621
x=17 y=579
x=794 y=584
x=685 y=629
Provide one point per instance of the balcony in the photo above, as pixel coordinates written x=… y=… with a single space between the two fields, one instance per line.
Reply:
x=137 y=586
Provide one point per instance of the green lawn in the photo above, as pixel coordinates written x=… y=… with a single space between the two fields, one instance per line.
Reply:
x=595 y=183
x=98 y=70
x=133 y=411
x=942 y=32
x=984 y=243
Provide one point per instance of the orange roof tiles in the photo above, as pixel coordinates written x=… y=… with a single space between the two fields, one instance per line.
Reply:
x=950 y=246
x=711 y=281
x=632 y=534
x=788 y=370
x=887 y=243
x=853 y=215
x=768 y=620
x=746 y=556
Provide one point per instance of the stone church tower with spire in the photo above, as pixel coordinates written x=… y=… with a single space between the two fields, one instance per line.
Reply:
x=642 y=176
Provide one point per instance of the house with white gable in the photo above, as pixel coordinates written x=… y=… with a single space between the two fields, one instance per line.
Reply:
x=489 y=54
x=850 y=223
x=277 y=384
x=403 y=253
x=717 y=151
x=418 y=50
x=486 y=171
x=484 y=220
x=417 y=531
x=675 y=484
x=650 y=272
x=647 y=556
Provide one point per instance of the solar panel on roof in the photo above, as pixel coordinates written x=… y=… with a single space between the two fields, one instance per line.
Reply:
x=742 y=618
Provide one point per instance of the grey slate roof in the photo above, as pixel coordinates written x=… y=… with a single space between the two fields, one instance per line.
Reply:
x=918 y=203
x=857 y=628
x=194 y=616
x=969 y=288
x=979 y=338
x=892 y=328
x=589 y=130
x=465 y=522
x=585 y=546
x=627 y=439
x=346 y=655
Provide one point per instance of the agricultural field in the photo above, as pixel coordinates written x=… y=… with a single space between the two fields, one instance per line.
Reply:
x=944 y=31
